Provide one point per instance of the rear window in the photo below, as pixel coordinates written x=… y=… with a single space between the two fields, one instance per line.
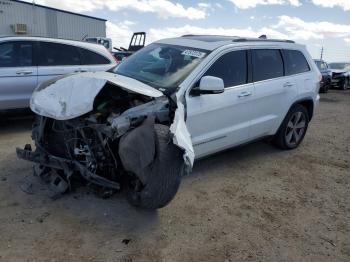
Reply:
x=295 y=62
x=54 y=54
x=91 y=58
x=267 y=64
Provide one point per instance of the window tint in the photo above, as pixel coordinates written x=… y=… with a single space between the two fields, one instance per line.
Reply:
x=231 y=67
x=53 y=54
x=295 y=62
x=91 y=58
x=267 y=64
x=16 y=54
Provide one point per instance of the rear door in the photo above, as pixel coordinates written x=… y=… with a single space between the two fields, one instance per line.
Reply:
x=55 y=59
x=18 y=74
x=272 y=91
x=219 y=121
x=298 y=67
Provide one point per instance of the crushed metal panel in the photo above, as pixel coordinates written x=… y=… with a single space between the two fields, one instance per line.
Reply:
x=74 y=95
x=67 y=98
x=182 y=137
x=137 y=148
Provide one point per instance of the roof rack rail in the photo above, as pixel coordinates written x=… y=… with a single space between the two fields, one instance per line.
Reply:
x=261 y=40
x=189 y=35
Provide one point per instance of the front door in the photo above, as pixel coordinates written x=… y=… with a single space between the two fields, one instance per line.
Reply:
x=220 y=121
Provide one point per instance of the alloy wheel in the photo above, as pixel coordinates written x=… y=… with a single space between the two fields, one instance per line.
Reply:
x=295 y=129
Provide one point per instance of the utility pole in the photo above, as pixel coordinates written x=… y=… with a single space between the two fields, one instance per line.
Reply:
x=321 y=52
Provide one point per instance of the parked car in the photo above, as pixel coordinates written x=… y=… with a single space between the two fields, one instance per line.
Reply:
x=340 y=75
x=174 y=101
x=326 y=81
x=26 y=62
x=106 y=42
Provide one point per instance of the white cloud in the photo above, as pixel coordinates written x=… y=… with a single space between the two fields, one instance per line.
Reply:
x=120 y=33
x=347 y=40
x=287 y=28
x=218 y=5
x=345 y=4
x=163 y=8
x=297 y=28
x=295 y=2
x=159 y=33
x=246 y=4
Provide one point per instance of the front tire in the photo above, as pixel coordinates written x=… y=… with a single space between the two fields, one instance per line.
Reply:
x=293 y=128
x=163 y=177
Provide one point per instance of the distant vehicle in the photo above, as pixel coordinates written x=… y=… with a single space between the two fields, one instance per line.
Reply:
x=137 y=42
x=326 y=81
x=106 y=42
x=26 y=62
x=340 y=75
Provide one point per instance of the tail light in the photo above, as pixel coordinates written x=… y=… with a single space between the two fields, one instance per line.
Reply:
x=115 y=59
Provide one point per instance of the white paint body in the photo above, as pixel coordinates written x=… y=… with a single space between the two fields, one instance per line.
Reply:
x=203 y=124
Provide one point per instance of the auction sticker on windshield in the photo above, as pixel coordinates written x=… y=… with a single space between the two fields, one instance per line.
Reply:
x=193 y=53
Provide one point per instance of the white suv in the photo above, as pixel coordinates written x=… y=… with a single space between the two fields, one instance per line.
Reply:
x=171 y=102
x=26 y=62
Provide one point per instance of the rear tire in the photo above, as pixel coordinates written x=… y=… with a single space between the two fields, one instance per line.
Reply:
x=345 y=84
x=293 y=128
x=163 y=177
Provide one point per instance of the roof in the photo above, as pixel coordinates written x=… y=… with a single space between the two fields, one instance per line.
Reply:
x=58 y=10
x=95 y=47
x=211 y=42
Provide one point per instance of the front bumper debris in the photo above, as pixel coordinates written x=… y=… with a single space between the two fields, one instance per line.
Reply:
x=66 y=165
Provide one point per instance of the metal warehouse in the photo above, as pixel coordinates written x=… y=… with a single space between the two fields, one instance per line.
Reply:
x=23 y=18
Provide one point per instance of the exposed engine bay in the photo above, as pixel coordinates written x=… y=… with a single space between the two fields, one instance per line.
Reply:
x=125 y=135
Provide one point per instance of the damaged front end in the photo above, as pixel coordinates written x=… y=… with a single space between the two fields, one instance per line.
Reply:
x=117 y=128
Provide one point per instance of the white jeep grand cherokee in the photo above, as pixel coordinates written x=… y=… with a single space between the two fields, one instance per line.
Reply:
x=142 y=124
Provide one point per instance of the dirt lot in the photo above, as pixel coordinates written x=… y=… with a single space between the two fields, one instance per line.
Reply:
x=253 y=203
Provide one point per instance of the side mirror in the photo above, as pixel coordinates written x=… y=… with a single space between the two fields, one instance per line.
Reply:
x=210 y=85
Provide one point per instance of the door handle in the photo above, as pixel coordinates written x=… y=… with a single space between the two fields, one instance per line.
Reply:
x=245 y=94
x=288 y=84
x=24 y=72
x=80 y=71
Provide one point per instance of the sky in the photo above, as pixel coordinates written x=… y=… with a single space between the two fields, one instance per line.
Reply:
x=314 y=23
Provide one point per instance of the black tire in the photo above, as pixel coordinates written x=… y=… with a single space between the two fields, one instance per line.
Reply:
x=327 y=86
x=345 y=84
x=284 y=138
x=163 y=177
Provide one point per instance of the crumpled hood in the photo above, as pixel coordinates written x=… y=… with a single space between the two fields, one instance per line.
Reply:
x=74 y=95
x=338 y=71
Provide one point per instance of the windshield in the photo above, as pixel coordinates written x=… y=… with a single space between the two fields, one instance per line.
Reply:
x=321 y=65
x=161 y=66
x=318 y=63
x=340 y=66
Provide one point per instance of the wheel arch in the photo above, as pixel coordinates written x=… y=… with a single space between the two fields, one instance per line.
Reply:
x=308 y=103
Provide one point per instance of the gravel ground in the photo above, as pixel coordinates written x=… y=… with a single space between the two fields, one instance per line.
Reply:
x=252 y=203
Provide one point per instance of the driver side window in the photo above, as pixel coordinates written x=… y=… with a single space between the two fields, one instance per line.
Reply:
x=231 y=68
